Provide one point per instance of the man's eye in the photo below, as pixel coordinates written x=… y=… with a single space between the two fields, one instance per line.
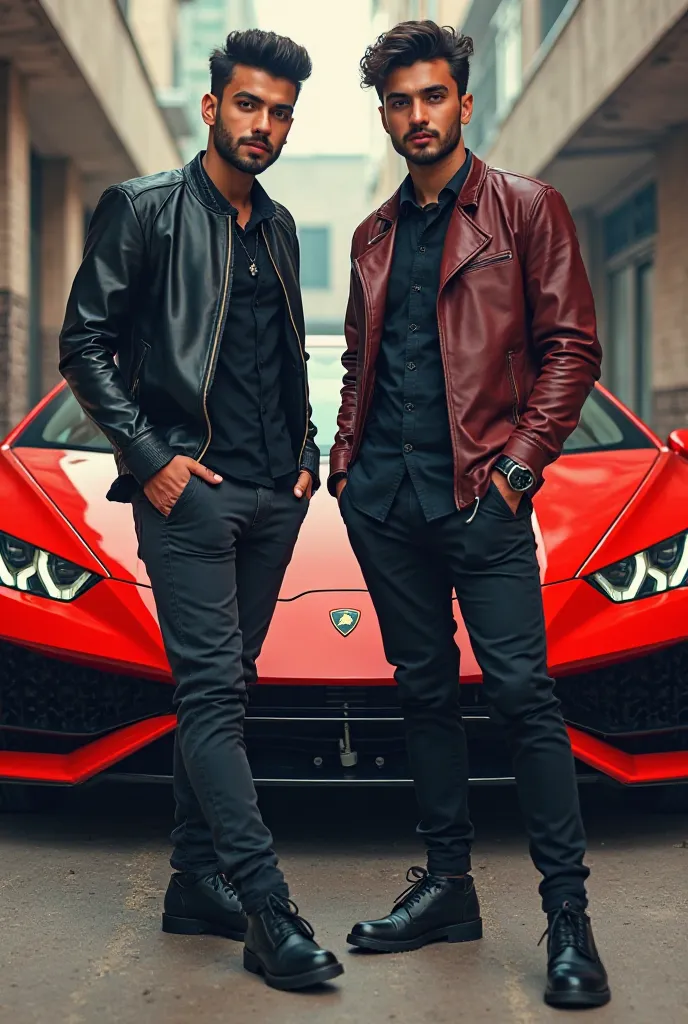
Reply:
x=437 y=97
x=398 y=103
x=246 y=104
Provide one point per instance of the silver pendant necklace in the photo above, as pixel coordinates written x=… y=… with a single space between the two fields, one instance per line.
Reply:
x=252 y=260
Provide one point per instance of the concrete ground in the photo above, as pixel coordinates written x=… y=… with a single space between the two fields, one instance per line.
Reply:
x=81 y=890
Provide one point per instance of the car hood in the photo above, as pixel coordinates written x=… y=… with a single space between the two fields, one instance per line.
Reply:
x=583 y=496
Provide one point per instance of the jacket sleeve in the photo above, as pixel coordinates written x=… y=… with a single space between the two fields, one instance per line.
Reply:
x=340 y=453
x=97 y=322
x=563 y=331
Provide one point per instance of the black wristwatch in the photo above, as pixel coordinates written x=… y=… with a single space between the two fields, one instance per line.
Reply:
x=519 y=478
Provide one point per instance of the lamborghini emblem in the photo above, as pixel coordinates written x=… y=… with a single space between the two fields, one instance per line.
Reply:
x=345 y=620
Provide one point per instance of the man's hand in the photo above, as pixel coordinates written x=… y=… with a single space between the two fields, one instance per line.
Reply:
x=304 y=485
x=511 y=497
x=164 y=489
x=339 y=487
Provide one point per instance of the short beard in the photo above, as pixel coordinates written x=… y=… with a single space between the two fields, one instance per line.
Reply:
x=228 y=149
x=423 y=157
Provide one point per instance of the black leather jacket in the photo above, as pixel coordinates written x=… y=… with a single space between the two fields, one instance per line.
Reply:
x=145 y=318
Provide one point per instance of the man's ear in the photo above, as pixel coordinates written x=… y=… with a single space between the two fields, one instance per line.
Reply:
x=383 y=118
x=466 y=108
x=209 y=108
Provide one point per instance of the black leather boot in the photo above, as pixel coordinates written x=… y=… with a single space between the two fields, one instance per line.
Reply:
x=280 y=946
x=203 y=906
x=576 y=978
x=432 y=908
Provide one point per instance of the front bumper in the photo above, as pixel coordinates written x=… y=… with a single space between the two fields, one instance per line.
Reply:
x=65 y=724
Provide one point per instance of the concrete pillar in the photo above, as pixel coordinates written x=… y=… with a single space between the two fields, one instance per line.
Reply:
x=62 y=240
x=670 y=303
x=15 y=177
x=531 y=31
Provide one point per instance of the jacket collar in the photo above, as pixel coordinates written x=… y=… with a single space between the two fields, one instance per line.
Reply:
x=206 y=193
x=468 y=196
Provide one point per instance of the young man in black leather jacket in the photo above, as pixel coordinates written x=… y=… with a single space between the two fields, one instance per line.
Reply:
x=184 y=341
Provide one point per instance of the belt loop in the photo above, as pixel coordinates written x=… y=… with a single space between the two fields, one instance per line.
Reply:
x=474 y=512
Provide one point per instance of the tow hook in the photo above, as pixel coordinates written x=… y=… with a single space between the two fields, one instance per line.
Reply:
x=347 y=756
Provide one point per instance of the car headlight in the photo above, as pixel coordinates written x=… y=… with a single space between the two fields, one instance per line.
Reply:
x=35 y=571
x=662 y=567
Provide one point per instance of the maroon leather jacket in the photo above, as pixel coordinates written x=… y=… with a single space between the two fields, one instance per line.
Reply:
x=516 y=326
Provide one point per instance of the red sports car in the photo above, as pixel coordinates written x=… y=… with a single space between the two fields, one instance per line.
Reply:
x=85 y=689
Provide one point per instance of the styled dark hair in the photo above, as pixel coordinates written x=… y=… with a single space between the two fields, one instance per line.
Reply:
x=277 y=55
x=411 y=41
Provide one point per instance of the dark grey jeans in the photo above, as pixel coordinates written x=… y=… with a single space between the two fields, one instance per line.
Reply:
x=216 y=564
x=412 y=567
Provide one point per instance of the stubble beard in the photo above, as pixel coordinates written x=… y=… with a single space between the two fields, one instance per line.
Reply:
x=228 y=149
x=425 y=157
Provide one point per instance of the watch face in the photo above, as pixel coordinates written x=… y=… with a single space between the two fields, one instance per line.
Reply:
x=520 y=479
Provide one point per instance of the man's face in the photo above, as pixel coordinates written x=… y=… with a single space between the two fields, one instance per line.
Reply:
x=423 y=112
x=250 y=125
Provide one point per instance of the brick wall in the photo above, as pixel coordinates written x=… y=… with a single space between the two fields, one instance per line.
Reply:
x=14 y=247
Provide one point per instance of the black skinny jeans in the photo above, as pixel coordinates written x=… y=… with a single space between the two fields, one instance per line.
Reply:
x=216 y=564
x=411 y=568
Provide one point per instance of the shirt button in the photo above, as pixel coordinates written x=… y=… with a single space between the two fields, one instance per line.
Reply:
x=421 y=248
x=263 y=409
x=413 y=327
x=416 y=287
x=408 y=448
x=409 y=407
x=410 y=366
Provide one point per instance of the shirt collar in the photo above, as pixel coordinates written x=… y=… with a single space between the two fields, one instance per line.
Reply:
x=407 y=195
x=263 y=206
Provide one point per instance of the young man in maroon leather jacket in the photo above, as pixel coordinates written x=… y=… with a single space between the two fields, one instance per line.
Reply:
x=471 y=348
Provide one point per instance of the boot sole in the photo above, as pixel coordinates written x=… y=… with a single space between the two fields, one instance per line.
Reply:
x=195 y=926
x=292 y=982
x=469 y=931
x=577 y=1000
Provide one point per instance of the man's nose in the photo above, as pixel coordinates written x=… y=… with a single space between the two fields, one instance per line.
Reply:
x=261 y=124
x=419 y=114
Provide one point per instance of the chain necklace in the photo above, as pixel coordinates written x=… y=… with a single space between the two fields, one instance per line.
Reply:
x=252 y=260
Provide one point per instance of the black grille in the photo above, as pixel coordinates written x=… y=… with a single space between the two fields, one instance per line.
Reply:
x=49 y=695
x=43 y=694
x=647 y=694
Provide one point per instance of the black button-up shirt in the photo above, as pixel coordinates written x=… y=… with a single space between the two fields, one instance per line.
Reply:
x=250 y=439
x=407 y=430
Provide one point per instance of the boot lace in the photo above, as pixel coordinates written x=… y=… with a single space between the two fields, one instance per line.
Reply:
x=221 y=883
x=567 y=927
x=421 y=884
x=287 y=920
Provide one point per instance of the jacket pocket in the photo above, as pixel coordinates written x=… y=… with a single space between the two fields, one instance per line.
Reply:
x=139 y=367
x=515 y=400
x=489 y=261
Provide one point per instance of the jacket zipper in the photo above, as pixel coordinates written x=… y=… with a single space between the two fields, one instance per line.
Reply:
x=137 y=375
x=360 y=394
x=514 y=390
x=298 y=339
x=216 y=339
x=500 y=257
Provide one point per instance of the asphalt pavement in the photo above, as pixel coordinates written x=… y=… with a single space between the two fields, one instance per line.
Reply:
x=81 y=890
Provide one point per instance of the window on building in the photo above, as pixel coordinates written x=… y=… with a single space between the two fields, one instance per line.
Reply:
x=549 y=12
x=628 y=244
x=315 y=257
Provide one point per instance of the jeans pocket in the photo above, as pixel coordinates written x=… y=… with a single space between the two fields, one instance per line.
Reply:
x=183 y=497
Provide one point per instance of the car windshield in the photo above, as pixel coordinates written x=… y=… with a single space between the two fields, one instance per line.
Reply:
x=63 y=424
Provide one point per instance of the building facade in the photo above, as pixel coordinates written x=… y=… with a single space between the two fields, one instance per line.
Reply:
x=78 y=110
x=205 y=25
x=328 y=198
x=590 y=96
